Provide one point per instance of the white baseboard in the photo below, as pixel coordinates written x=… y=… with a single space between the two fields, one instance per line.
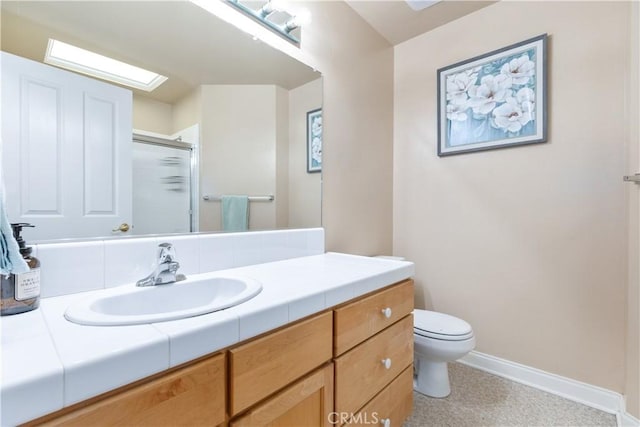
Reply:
x=628 y=420
x=587 y=394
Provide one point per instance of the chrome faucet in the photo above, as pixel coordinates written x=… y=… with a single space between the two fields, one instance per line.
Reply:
x=166 y=268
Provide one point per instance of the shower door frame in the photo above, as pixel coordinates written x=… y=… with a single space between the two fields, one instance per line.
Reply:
x=193 y=168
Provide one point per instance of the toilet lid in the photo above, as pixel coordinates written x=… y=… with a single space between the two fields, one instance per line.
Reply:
x=441 y=326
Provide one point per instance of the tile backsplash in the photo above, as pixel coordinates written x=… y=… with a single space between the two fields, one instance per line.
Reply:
x=84 y=266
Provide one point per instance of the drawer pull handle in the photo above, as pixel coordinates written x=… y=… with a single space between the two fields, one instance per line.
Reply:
x=387 y=363
x=386 y=312
x=386 y=422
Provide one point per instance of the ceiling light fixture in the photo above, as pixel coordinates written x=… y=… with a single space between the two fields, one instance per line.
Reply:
x=282 y=23
x=268 y=8
x=296 y=21
x=256 y=29
x=86 y=62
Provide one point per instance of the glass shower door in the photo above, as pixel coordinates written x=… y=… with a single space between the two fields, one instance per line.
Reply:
x=161 y=189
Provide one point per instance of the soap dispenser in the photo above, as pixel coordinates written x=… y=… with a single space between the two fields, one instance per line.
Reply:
x=21 y=292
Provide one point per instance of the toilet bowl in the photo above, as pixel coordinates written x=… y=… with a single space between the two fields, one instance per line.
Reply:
x=438 y=339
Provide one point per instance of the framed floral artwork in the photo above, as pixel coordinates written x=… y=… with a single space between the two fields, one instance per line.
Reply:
x=494 y=100
x=314 y=140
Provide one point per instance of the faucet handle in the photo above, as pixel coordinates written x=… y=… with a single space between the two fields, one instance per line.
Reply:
x=166 y=253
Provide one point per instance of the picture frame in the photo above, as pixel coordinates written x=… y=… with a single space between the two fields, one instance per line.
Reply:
x=494 y=100
x=314 y=140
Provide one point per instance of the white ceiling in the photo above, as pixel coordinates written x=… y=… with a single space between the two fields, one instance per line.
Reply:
x=174 y=38
x=397 y=22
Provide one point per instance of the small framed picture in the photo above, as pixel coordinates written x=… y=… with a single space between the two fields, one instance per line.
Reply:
x=314 y=141
x=494 y=100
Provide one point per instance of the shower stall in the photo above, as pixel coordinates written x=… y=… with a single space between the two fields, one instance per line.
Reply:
x=162 y=180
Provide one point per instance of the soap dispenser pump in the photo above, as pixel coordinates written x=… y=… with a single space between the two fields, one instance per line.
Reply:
x=21 y=292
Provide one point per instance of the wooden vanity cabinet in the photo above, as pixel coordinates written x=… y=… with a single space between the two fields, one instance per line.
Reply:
x=350 y=363
x=370 y=379
x=189 y=396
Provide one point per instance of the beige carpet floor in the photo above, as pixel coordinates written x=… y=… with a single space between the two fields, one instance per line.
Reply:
x=481 y=399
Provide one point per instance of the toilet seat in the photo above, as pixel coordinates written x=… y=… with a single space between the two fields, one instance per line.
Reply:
x=431 y=324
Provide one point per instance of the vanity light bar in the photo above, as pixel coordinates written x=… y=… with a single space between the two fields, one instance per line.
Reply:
x=86 y=62
x=262 y=16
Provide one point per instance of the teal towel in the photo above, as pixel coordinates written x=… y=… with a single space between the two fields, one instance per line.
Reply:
x=235 y=213
x=11 y=260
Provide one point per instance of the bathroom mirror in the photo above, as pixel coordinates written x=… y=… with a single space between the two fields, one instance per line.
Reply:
x=232 y=115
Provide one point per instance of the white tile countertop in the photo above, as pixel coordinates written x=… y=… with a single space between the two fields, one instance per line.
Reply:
x=49 y=363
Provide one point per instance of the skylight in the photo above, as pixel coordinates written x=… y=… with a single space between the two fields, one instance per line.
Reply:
x=86 y=62
x=421 y=4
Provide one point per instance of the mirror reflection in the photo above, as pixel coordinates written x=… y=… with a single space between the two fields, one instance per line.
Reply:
x=83 y=157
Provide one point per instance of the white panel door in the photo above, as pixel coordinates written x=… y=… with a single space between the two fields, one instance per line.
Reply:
x=66 y=143
x=632 y=387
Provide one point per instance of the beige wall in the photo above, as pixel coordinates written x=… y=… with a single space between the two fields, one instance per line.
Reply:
x=305 y=189
x=187 y=111
x=357 y=66
x=633 y=299
x=151 y=115
x=528 y=244
x=282 y=158
x=238 y=150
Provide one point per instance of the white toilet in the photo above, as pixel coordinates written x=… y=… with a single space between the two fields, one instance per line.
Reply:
x=438 y=339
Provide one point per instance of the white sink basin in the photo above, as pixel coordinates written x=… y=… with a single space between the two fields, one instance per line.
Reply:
x=134 y=305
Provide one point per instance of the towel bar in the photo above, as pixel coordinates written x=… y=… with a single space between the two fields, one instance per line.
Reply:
x=268 y=198
x=632 y=178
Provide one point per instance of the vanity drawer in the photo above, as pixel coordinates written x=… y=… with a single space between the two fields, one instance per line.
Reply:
x=393 y=403
x=361 y=372
x=357 y=321
x=265 y=365
x=193 y=395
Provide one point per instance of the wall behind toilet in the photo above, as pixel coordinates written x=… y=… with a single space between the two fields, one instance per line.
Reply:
x=527 y=244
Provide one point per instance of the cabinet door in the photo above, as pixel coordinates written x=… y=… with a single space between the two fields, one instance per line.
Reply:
x=191 y=396
x=66 y=143
x=306 y=403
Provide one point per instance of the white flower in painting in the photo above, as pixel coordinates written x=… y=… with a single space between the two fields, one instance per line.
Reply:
x=519 y=69
x=456 y=111
x=525 y=95
x=512 y=116
x=316 y=126
x=459 y=84
x=316 y=149
x=526 y=99
x=492 y=90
